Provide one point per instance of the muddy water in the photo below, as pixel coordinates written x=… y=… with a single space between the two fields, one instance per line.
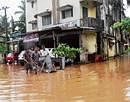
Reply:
x=103 y=82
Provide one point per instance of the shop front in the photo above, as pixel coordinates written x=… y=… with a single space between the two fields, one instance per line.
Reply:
x=30 y=40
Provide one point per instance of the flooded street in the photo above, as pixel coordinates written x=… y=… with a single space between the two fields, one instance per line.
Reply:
x=104 y=82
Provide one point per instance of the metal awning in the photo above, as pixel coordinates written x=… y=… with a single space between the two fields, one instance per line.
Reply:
x=31 y=38
x=66 y=7
x=31 y=0
x=44 y=13
x=33 y=22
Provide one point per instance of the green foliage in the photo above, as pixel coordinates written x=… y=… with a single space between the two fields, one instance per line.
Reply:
x=2 y=24
x=21 y=24
x=2 y=48
x=124 y=25
x=127 y=51
x=64 y=50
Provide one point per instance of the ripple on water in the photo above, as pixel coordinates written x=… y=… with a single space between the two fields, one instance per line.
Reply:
x=103 y=82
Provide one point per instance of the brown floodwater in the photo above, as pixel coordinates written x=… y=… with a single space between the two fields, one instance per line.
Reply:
x=103 y=82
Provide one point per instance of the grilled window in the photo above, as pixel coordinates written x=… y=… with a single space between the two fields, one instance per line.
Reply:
x=67 y=13
x=85 y=12
x=34 y=26
x=46 y=20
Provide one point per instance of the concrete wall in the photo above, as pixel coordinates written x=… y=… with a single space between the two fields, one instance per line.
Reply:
x=89 y=41
x=42 y=7
x=30 y=12
x=76 y=10
x=110 y=51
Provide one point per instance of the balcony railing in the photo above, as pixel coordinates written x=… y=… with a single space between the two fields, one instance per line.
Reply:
x=95 y=23
x=88 y=22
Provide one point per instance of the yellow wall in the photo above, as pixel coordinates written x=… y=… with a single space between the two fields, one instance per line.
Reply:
x=89 y=41
x=92 y=12
x=107 y=49
x=111 y=51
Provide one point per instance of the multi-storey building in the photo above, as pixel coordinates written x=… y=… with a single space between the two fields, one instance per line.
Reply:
x=75 y=22
x=113 y=40
x=78 y=23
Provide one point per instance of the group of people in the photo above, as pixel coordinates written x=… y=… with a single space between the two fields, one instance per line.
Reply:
x=38 y=60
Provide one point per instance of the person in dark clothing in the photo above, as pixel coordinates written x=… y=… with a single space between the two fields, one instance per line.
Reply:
x=16 y=57
x=36 y=55
x=28 y=59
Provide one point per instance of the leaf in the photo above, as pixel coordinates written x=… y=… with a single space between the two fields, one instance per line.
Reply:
x=124 y=25
x=64 y=50
x=21 y=24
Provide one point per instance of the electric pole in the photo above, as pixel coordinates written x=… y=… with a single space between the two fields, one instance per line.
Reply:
x=12 y=24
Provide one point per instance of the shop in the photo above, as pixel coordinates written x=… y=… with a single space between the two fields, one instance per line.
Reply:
x=30 y=40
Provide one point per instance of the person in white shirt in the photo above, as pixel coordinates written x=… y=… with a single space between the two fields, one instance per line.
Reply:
x=46 y=59
x=44 y=52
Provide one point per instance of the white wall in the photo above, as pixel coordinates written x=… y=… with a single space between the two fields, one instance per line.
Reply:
x=30 y=12
x=76 y=10
x=42 y=6
x=127 y=7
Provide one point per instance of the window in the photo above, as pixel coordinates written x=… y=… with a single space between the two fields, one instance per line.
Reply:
x=34 y=26
x=46 y=20
x=85 y=12
x=128 y=2
x=67 y=13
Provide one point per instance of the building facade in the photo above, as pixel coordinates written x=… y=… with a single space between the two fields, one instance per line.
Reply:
x=82 y=24
x=42 y=15
x=127 y=7
x=113 y=40
x=75 y=22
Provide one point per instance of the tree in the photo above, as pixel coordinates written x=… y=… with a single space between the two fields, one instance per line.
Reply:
x=3 y=25
x=124 y=25
x=21 y=24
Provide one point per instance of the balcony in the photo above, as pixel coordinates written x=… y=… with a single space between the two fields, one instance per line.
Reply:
x=90 y=22
x=91 y=2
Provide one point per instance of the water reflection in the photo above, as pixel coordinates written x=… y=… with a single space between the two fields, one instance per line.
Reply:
x=102 y=82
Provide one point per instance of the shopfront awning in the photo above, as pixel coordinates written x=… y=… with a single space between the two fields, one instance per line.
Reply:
x=31 y=38
x=33 y=22
x=44 y=13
